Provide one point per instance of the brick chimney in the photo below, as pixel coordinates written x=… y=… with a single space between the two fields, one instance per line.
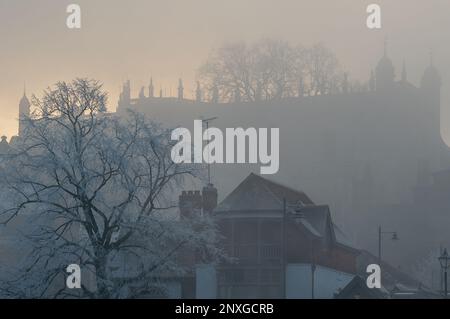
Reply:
x=190 y=202
x=209 y=198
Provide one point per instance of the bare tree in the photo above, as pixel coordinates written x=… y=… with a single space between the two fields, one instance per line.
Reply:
x=275 y=68
x=229 y=70
x=321 y=68
x=97 y=191
x=270 y=69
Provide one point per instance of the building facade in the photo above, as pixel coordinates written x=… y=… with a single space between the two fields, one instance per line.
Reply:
x=270 y=232
x=354 y=149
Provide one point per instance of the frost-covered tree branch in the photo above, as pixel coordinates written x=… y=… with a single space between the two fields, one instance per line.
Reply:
x=97 y=190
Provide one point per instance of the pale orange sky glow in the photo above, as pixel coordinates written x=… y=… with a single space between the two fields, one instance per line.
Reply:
x=167 y=40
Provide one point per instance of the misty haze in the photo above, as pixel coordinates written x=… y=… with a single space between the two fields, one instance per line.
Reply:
x=87 y=177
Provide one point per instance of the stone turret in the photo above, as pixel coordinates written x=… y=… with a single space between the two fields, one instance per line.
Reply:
x=151 y=89
x=125 y=95
x=385 y=72
x=142 y=94
x=431 y=80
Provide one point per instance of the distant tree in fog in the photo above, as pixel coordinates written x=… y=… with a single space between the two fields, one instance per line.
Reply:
x=275 y=69
x=270 y=69
x=232 y=70
x=96 y=190
x=321 y=68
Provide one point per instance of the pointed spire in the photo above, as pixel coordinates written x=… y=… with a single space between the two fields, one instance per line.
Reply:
x=151 y=89
x=404 y=74
x=431 y=78
x=24 y=112
x=24 y=102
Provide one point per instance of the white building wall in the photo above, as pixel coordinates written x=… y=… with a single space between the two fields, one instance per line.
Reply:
x=327 y=281
x=205 y=282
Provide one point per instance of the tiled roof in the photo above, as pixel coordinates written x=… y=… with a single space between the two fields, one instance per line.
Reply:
x=258 y=193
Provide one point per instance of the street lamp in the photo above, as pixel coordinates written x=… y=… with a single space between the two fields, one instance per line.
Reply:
x=444 y=261
x=380 y=233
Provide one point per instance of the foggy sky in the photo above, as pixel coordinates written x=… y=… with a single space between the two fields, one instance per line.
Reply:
x=168 y=39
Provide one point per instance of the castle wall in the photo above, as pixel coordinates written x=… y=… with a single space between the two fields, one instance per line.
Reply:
x=351 y=151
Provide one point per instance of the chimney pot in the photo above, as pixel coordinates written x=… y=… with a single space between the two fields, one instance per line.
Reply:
x=209 y=198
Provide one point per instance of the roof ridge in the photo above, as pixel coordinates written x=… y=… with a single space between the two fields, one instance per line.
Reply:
x=271 y=191
x=248 y=179
x=279 y=184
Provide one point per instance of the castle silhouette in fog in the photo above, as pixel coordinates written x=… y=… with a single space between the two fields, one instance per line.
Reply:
x=355 y=149
x=358 y=150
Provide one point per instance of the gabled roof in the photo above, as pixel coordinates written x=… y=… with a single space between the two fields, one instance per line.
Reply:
x=342 y=238
x=318 y=221
x=316 y=216
x=258 y=193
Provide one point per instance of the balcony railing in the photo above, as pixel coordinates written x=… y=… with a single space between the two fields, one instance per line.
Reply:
x=257 y=253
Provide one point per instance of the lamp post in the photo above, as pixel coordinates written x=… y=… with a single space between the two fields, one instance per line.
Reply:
x=444 y=261
x=380 y=234
x=313 y=270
